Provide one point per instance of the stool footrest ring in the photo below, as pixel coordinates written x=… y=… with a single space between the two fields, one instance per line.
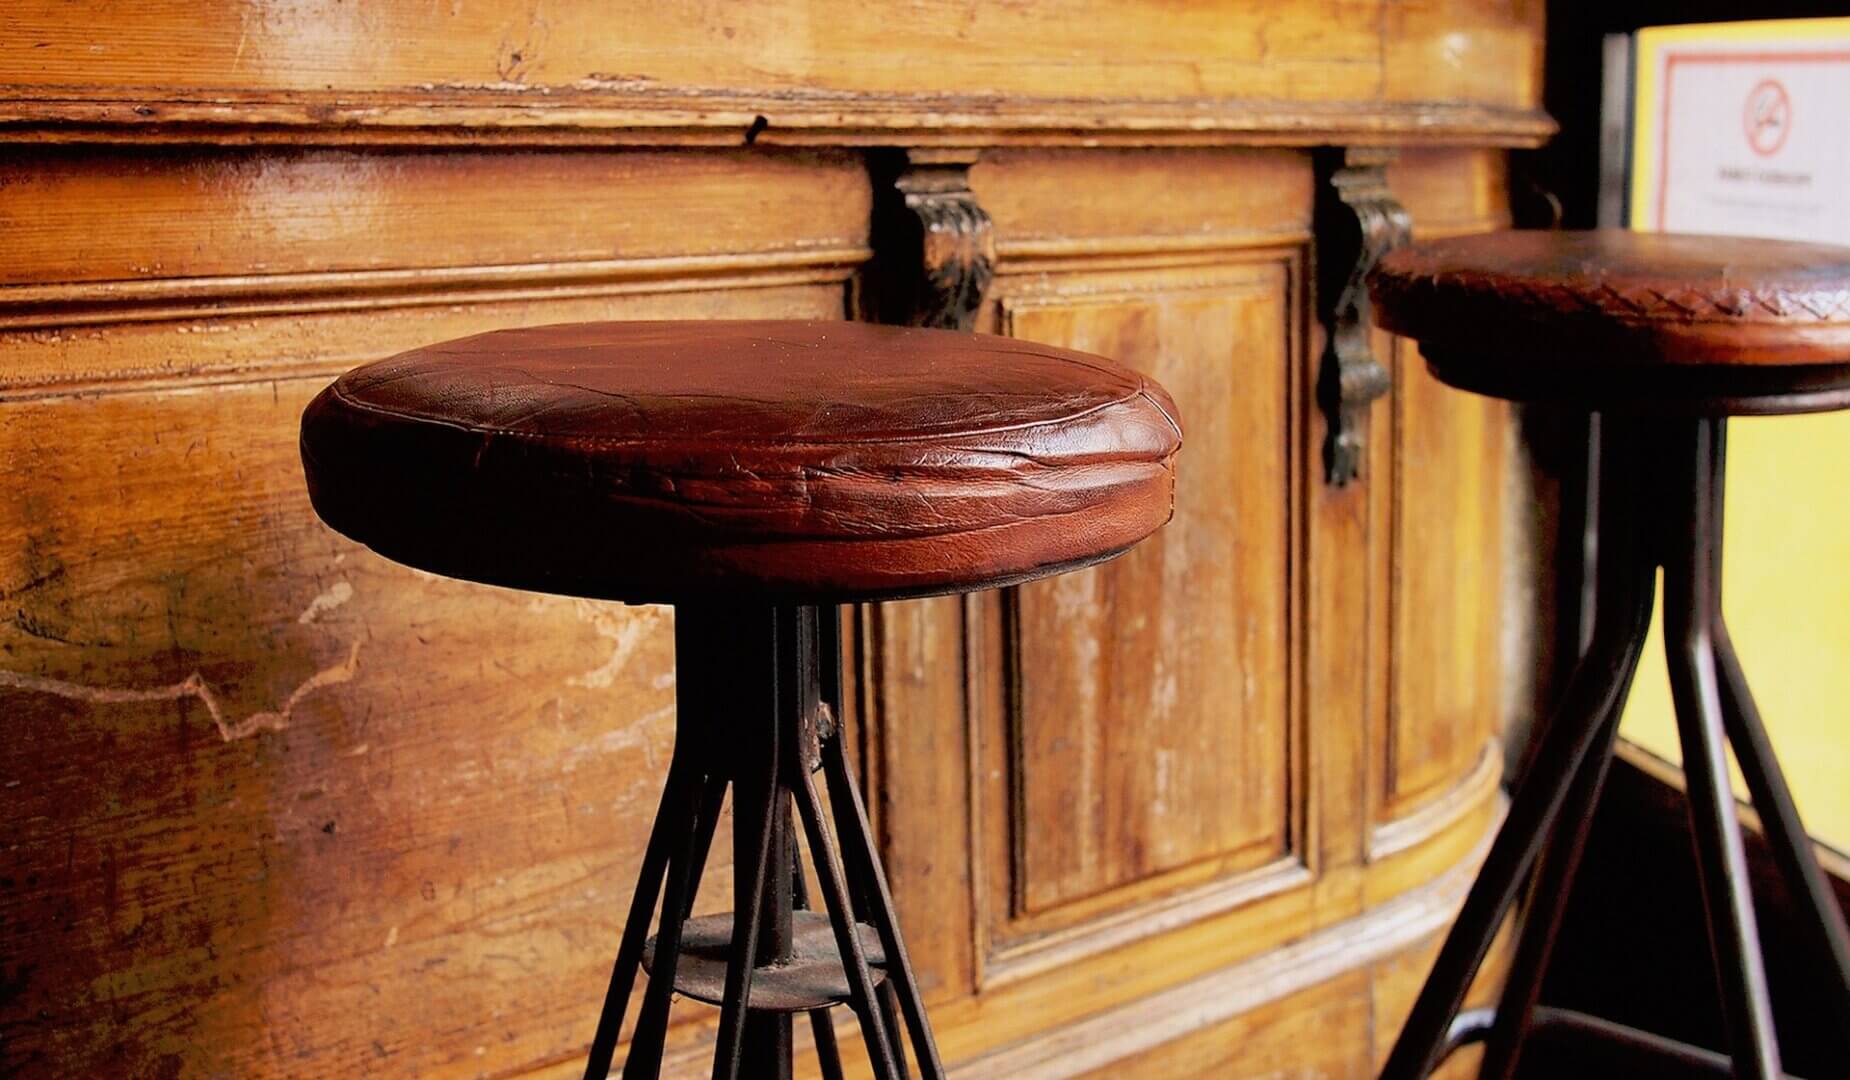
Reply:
x=812 y=977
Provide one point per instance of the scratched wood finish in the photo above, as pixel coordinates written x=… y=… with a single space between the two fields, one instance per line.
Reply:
x=1146 y=718
x=181 y=214
x=242 y=70
x=276 y=807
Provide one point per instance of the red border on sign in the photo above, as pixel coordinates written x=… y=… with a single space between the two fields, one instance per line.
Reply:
x=1672 y=59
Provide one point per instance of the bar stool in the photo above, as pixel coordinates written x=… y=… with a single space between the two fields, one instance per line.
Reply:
x=1662 y=337
x=754 y=475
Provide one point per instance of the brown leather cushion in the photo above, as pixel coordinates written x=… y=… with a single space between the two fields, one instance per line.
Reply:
x=668 y=461
x=1610 y=317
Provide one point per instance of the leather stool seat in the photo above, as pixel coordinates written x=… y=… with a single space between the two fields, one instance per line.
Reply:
x=1623 y=321
x=796 y=461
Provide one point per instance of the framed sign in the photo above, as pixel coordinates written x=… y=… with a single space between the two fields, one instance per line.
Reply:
x=1740 y=128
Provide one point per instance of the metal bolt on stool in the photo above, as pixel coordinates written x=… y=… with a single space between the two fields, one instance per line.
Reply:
x=755 y=475
x=1662 y=338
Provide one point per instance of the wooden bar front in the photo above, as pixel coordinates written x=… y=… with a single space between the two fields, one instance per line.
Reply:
x=277 y=807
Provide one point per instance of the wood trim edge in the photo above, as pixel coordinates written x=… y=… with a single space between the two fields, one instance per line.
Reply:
x=576 y=116
x=1434 y=815
x=163 y=299
x=1149 y=1022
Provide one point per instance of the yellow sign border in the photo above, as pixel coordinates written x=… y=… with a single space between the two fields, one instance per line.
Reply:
x=1648 y=48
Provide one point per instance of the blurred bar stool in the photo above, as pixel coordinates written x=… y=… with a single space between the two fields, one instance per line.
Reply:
x=1663 y=337
x=755 y=475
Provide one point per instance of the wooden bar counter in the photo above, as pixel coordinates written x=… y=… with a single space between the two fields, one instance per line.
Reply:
x=276 y=807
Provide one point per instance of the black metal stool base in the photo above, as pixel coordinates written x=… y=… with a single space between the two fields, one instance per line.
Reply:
x=1660 y=505
x=758 y=707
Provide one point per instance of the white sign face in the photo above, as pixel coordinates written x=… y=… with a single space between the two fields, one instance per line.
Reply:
x=1744 y=137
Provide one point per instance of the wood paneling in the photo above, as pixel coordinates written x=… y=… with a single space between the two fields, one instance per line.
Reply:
x=1152 y=724
x=1135 y=725
x=744 y=70
x=276 y=807
x=92 y=215
x=1452 y=453
x=1054 y=203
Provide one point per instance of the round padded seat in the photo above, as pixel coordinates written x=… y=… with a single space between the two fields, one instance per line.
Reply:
x=1611 y=319
x=795 y=461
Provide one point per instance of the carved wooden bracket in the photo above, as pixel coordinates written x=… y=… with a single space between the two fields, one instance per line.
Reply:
x=1358 y=221
x=935 y=244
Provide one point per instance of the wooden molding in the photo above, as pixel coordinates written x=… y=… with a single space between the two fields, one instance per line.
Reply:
x=1020 y=960
x=569 y=116
x=1436 y=815
x=1380 y=933
x=154 y=299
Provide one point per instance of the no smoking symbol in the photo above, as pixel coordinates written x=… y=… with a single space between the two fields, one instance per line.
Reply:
x=1768 y=118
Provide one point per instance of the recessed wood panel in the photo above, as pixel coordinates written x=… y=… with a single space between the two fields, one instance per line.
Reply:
x=1447 y=583
x=1446 y=533
x=1147 y=737
x=1152 y=715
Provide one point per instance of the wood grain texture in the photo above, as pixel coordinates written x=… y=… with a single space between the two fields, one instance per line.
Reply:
x=96 y=215
x=233 y=263
x=1444 y=685
x=1083 y=886
x=278 y=808
x=731 y=72
x=1144 y=719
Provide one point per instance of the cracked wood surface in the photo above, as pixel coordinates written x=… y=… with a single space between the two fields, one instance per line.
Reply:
x=416 y=857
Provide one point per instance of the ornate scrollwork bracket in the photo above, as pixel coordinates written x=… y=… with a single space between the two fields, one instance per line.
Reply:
x=1358 y=221
x=935 y=245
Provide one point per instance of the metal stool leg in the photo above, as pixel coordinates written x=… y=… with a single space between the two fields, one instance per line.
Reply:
x=645 y=1056
x=1785 y=833
x=1779 y=816
x=841 y=914
x=1691 y=585
x=1554 y=883
x=753 y=718
x=828 y=1052
x=1511 y=1020
x=655 y=861
x=1592 y=692
x=864 y=868
x=758 y=849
